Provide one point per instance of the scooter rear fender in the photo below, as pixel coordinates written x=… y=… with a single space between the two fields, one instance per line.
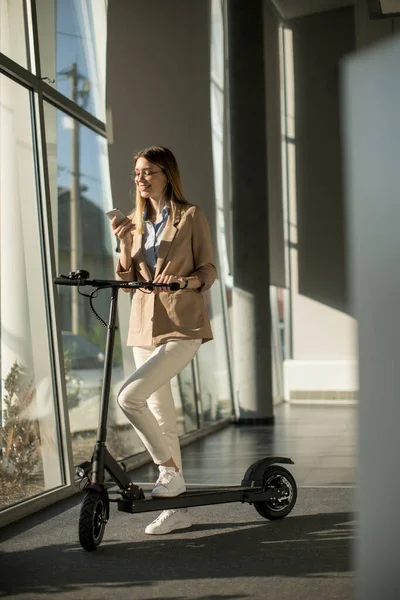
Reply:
x=254 y=475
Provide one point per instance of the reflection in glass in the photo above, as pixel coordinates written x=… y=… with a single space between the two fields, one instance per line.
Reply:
x=29 y=437
x=185 y=400
x=188 y=398
x=12 y=30
x=213 y=364
x=180 y=417
x=72 y=43
x=80 y=195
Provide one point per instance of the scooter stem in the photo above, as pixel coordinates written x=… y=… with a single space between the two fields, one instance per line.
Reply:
x=107 y=373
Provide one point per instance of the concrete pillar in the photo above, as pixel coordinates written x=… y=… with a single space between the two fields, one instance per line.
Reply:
x=372 y=144
x=248 y=153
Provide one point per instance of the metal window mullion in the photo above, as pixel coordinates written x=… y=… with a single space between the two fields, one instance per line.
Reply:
x=16 y=72
x=51 y=299
x=24 y=77
x=69 y=107
x=32 y=37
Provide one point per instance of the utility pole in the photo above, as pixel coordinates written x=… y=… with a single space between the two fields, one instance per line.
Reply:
x=75 y=192
x=75 y=228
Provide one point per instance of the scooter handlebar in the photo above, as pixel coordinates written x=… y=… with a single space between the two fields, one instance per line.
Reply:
x=74 y=279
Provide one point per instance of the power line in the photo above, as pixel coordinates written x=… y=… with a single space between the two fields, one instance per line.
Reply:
x=68 y=170
x=75 y=35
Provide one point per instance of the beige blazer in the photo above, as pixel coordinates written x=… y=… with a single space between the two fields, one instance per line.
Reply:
x=185 y=250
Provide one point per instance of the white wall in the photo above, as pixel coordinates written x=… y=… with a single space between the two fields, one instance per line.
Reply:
x=323 y=335
x=158 y=92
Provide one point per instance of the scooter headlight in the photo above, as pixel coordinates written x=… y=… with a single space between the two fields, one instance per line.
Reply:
x=80 y=472
x=83 y=469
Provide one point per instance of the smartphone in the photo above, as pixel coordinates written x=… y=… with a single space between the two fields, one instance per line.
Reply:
x=115 y=212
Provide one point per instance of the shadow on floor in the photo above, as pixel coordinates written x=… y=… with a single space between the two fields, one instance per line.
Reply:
x=309 y=546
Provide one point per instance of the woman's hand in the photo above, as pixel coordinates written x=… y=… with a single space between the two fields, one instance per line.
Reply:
x=123 y=231
x=166 y=279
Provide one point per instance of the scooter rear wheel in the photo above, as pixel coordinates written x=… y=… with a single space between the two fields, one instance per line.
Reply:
x=282 y=482
x=92 y=520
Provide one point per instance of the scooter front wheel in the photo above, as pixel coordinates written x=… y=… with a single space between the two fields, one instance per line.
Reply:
x=92 y=519
x=282 y=485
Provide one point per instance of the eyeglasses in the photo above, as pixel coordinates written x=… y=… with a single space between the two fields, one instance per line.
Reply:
x=146 y=173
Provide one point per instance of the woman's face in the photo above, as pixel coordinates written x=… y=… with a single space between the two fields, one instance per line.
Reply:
x=150 y=179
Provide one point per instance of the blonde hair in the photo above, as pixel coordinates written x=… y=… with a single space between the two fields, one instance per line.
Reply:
x=166 y=161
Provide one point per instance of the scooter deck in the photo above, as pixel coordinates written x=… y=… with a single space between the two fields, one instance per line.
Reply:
x=195 y=498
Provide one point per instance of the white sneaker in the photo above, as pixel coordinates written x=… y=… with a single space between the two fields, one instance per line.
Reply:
x=169 y=484
x=168 y=521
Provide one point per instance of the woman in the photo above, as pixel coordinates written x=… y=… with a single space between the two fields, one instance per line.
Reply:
x=164 y=240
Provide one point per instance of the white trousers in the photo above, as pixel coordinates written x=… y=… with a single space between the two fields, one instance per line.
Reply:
x=146 y=397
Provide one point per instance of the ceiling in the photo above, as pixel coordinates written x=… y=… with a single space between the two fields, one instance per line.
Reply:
x=290 y=9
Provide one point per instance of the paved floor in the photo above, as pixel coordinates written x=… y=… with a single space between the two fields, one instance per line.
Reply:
x=231 y=551
x=321 y=440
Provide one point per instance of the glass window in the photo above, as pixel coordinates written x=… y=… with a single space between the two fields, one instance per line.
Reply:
x=29 y=439
x=72 y=43
x=12 y=30
x=213 y=359
x=187 y=396
x=212 y=363
x=80 y=195
x=217 y=98
x=185 y=401
x=180 y=417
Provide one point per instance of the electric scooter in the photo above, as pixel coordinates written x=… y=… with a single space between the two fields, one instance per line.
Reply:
x=268 y=486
